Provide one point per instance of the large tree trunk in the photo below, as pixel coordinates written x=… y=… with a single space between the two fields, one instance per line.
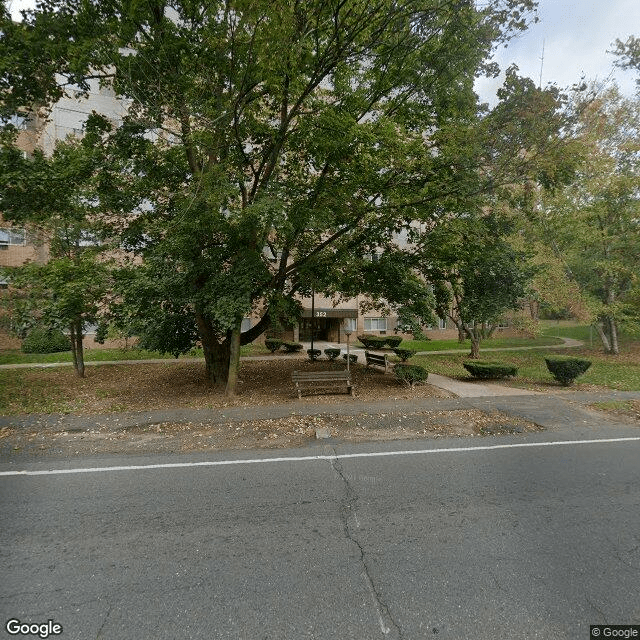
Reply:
x=75 y=329
x=216 y=352
x=234 y=358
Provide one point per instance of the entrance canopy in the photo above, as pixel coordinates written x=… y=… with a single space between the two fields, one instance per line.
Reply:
x=330 y=313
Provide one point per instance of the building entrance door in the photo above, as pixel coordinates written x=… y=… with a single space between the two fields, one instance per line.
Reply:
x=320 y=329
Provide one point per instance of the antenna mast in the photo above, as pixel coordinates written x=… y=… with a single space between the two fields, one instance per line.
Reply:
x=541 y=65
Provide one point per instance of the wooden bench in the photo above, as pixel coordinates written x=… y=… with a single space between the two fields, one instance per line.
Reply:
x=373 y=359
x=321 y=380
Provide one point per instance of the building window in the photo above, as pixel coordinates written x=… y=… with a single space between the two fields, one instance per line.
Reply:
x=12 y=237
x=375 y=324
x=442 y=323
x=351 y=324
x=246 y=324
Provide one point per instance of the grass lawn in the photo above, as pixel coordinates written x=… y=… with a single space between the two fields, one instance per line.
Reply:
x=615 y=372
x=15 y=356
x=569 y=329
x=444 y=345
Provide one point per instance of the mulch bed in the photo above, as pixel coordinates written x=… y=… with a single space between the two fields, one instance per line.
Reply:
x=142 y=387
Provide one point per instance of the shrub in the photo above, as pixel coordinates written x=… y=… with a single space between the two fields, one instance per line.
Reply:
x=370 y=342
x=487 y=370
x=410 y=373
x=565 y=369
x=352 y=358
x=393 y=341
x=291 y=347
x=404 y=354
x=313 y=354
x=332 y=354
x=273 y=344
x=45 y=340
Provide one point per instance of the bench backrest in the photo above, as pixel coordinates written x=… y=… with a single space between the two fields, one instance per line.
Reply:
x=321 y=375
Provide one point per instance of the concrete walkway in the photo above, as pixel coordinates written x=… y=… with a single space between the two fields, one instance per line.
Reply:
x=475 y=389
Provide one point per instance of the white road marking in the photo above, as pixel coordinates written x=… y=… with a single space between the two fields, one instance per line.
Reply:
x=340 y=456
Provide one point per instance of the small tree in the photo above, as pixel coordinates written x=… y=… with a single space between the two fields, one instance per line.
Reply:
x=476 y=273
x=57 y=195
x=65 y=292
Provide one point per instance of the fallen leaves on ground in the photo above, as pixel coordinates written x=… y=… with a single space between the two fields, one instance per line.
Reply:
x=290 y=431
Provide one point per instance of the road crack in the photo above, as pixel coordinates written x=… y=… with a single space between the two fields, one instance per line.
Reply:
x=104 y=622
x=347 y=510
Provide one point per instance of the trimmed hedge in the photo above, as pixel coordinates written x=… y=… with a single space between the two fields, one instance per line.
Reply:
x=352 y=358
x=410 y=373
x=314 y=354
x=291 y=347
x=404 y=354
x=273 y=344
x=489 y=370
x=45 y=340
x=393 y=341
x=565 y=369
x=372 y=342
x=332 y=354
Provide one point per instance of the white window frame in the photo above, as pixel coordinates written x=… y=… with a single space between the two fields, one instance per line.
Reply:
x=375 y=324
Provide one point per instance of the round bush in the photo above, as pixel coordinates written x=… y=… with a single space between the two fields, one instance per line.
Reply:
x=565 y=369
x=314 y=354
x=410 y=373
x=352 y=358
x=273 y=344
x=332 y=354
x=489 y=370
x=393 y=341
x=291 y=347
x=404 y=354
x=45 y=340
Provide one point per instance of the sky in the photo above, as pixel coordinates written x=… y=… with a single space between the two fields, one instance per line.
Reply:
x=575 y=34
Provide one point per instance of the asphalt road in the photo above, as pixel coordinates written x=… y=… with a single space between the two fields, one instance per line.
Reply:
x=522 y=542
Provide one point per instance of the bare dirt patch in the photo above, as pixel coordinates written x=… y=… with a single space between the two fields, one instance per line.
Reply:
x=291 y=431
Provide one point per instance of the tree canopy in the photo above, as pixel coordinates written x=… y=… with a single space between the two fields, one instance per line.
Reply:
x=593 y=225
x=270 y=147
